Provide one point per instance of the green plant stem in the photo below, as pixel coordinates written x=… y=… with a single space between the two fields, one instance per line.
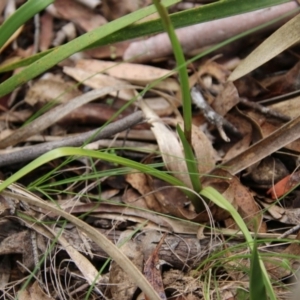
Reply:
x=69 y=151
x=218 y=199
x=191 y=163
x=180 y=60
x=22 y=15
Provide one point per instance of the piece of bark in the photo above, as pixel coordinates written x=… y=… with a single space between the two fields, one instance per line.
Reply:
x=182 y=251
x=204 y=34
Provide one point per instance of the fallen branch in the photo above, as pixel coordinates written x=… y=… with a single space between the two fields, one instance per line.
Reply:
x=212 y=117
x=29 y=153
x=204 y=34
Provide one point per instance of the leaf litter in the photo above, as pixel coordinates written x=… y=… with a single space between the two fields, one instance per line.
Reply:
x=255 y=167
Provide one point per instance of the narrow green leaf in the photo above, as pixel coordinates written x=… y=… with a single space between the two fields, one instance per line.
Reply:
x=21 y=15
x=183 y=75
x=23 y=62
x=69 y=151
x=257 y=284
x=191 y=164
x=80 y=43
x=204 y=13
x=214 y=196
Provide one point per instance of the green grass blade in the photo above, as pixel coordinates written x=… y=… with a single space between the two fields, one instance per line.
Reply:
x=62 y=52
x=23 y=14
x=214 y=196
x=257 y=286
x=191 y=162
x=204 y=13
x=23 y=62
x=69 y=151
x=189 y=17
x=183 y=75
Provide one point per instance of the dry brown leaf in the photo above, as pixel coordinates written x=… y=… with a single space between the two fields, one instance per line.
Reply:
x=214 y=71
x=169 y=145
x=98 y=81
x=289 y=107
x=268 y=126
x=249 y=87
x=208 y=73
x=133 y=198
x=33 y=292
x=170 y=198
x=278 y=139
x=205 y=153
x=245 y=128
x=282 y=83
x=45 y=90
x=139 y=182
x=227 y=98
x=46 y=35
x=134 y=73
x=73 y=11
x=114 y=9
x=239 y=196
x=161 y=106
x=283 y=215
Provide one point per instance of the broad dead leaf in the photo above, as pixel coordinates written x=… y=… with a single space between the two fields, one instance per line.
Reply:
x=278 y=139
x=33 y=292
x=98 y=81
x=239 y=196
x=205 y=154
x=86 y=18
x=43 y=91
x=139 y=182
x=284 y=185
x=134 y=73
x=226 y=99
x=168 y=144
x=171 y=199
x=245 y=128
x=289 y=107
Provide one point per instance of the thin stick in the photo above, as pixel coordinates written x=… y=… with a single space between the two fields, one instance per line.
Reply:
x=33 y=152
